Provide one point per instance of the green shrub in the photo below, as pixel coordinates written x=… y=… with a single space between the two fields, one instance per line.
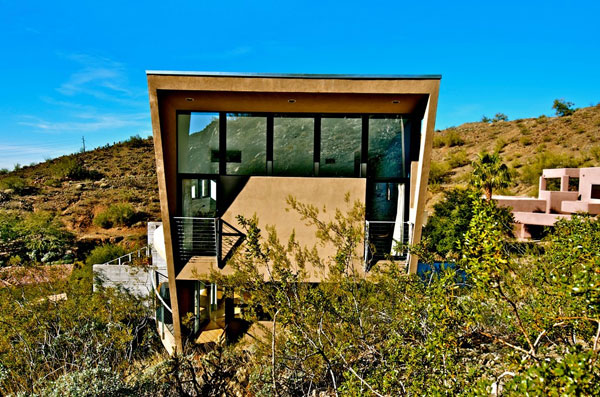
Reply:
x=457 y=159
x=500 y=145
x=563 y=108
x=136 y=141
x=70 y=167
x=116 y=215
x=38 y=236
x=104 y=253
x=439 y=172
x=453 y=138
x=500 y=117
x=595 y=152
x=15 y=183
x=525 y=141
x=533 y=170
x=438 y=141
x=4 y=171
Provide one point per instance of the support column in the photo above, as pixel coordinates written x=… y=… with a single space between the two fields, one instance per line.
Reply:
x=542 y=184
x=564 y=183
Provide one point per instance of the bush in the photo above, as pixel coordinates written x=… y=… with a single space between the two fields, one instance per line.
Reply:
x=500 y=117
x=438 y=141
x=39 y=236
x=525 y=141
x=15 y=183
x=66 y=348
x=136 y=141
x=453 y=138
x=563 y=108
x=4 y=171
x=116 y=215
x=457 y=159
x=104 y=253
x=500 y=145
x=439 y=172
x=533 y=170
x=595 y=152
x=449 y=221
x=70 y=167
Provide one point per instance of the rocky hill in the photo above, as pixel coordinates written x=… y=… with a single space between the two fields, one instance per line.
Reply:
x=527 y=146
x=81 y=186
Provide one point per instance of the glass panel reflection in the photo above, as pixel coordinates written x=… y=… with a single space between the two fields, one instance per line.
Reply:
x=340 y=146
x=293 y=146
x=199 y=198
x=198 y=143
x=389 y=142
x=246 y=144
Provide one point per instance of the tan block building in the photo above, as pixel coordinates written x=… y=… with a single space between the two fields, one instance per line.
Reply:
x=231 y=144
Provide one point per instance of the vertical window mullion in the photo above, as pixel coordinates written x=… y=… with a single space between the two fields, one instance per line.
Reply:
x=317 y=146
x=269 y=145
x=222 y=143
x=364 y=146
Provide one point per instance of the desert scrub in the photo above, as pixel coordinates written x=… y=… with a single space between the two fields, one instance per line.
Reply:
x=104 y=253
x=70 y=167
x=115 y=215
x=438 y=141
x=37 y=236
x=17 y=184
x=500 y=145
x=531 y=172
x=439 y=172
x=453 y=138
x=525 y=141
x=457 y=159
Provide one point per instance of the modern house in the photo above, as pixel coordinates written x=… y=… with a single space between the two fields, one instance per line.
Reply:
x=562 y=192
x=231 y=144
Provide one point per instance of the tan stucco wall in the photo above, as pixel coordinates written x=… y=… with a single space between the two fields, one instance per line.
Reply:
x=266 y=197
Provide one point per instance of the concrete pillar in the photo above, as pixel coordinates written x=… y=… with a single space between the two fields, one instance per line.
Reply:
x=564 y=183
x=542 y=183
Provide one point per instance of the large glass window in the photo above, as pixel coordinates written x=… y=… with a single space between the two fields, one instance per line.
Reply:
x=293 y=146
x=389 y=144
x=198 y=143
x=199 y=197
x=246 y=144
x=340 y=146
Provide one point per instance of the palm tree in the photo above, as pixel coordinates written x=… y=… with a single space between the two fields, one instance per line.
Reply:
x=490 y=173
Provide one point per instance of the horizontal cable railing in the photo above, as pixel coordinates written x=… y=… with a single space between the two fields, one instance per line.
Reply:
x=386 y=239
x=195 y=237
x=205 y=237
x=141 y=253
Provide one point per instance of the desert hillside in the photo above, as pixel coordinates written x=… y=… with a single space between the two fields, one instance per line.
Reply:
x=527 y=146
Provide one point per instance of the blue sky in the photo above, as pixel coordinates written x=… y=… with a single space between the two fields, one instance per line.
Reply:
x=73 y=69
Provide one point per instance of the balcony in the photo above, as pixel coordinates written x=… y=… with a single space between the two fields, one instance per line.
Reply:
x=386 y=240
x=205 y=237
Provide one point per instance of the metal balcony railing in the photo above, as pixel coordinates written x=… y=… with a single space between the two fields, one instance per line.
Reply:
x=386 y=240
x=205 y=237
x=126 y=259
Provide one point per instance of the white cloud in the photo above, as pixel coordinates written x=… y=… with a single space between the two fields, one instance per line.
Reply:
x=101 y=78
x=87 y=122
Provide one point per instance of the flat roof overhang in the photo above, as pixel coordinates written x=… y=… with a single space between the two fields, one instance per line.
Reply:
x=298 y=75
x=293 y=93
